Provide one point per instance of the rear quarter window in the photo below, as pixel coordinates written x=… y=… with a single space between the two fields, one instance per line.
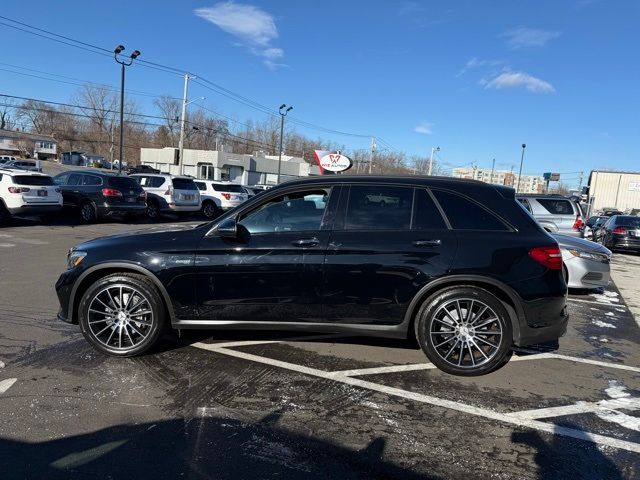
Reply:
x=556 y=207
x=184 y=184
x=32 y=180
x=464 y=214
x=123 y=182
x=227 y=188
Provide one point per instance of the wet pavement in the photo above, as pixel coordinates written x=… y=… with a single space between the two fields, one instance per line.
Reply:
x=278 y=405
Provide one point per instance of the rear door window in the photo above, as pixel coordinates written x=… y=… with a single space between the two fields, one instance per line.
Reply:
x=556 y=206
x=184 y=184
x=74 y=179
x=91 y=180
x=465 y=214
x=373 y=207
x=201 y=186
x=426 y=215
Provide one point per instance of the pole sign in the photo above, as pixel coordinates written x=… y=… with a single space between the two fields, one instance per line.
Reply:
x=333 y=162
x=551 y=177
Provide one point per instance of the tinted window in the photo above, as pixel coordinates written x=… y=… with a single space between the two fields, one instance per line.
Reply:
x=32 y=180
x=74 y=179
x=525 y=204
x=464 y=214
x=201 y=186
x=91 y=180
x=294 y=212
x=628 y=221
x=556 y=207
x=61 y=179
x=123 y=182
x=227 y=188
x=427 y=216
x=379 y=208
x=184 y=184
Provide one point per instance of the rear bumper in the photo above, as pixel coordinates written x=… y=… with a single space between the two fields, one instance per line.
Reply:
x=183 y=208
x=624 y=243
x=543 y=320
x=110 y=209
x=35 y=209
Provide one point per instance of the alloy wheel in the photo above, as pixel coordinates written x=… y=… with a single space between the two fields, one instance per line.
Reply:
x=87 y=212
x=209 y=210
x=120 y=317
x=466 y=333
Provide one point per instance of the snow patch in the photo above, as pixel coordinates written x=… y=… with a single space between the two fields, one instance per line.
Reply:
x=622 y=419
x=610 y=314
x=600 y=323
x=616 y=390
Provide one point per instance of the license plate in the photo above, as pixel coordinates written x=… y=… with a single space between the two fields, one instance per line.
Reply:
x=187 y=197
x=131 y=199
x=43 y=193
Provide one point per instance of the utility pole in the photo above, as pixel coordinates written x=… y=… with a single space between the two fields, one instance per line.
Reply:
x=283 y=110
x=580 y=184
x=182 y=121
x=521 y=162
x=433 y=150
x=493 y=166
x=123 y=63
x=371 y=153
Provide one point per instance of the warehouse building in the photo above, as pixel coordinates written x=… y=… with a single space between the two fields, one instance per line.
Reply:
x=613 y=190
x=244 y=169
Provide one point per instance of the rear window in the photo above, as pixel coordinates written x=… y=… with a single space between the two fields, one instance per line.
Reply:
x=556 y=207
x=626 y=221
x=228 y=188
x=184 y=184
x=464 y=214
x=123 y=182
x=32 y=180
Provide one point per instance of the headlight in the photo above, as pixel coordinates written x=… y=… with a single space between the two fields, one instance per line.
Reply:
x=598 y=257
x=75 y=258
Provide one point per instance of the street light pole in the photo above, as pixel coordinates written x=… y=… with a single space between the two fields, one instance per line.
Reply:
x=521 y=162
x=123 y=64
x=283 y=110
x=493 y=166
x=433 y=150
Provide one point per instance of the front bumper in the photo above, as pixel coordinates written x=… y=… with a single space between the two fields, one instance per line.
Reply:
x=64 y=288
x=586 y=273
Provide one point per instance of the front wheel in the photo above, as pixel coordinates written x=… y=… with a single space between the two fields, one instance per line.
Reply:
x=122 y=314
x=465 y=331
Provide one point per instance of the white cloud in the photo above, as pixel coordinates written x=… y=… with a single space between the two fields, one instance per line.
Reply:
x=523 y=37
x=409 y=8
x=476 y=62
x=517 y=80
x=425 y=128
x=252 y=26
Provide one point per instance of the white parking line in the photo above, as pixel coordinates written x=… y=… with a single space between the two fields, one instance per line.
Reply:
x=595 y=302
x=6 y=384
x=427 y=399
x=578 y=408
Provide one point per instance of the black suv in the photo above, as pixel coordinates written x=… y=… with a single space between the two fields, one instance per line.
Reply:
x=142 y=169
x=457 y=263
x=95 y=194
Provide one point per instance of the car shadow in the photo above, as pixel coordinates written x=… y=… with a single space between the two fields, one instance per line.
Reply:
x=204 y=446
x=560 y=457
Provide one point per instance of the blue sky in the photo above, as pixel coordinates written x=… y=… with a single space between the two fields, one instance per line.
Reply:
x=475 y=78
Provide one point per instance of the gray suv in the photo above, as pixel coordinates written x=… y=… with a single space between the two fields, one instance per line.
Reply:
x=555 y=213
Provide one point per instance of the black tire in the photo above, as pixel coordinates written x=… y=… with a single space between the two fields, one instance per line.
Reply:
x=88 y=213
x=466 y=347
x=122 y=334
x=153 y=209
x=210 y=210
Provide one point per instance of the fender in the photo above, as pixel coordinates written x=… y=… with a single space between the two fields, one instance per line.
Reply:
x=122 y=265
x=424 y=292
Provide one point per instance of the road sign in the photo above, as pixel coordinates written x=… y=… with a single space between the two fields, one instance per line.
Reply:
x=332 y=161
x=551 y=177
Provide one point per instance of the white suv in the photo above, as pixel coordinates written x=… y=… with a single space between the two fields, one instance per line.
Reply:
x=168 y=193
x=27 y=193
x=220 y=196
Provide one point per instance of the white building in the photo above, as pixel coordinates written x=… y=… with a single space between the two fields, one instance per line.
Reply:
x=614 y=190
x=220 y=165
x=528 y=183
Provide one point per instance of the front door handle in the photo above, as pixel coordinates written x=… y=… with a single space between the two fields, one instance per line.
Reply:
x=306 y=242
x=427 y=243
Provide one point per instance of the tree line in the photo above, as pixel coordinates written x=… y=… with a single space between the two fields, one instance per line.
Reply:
x=90 y=122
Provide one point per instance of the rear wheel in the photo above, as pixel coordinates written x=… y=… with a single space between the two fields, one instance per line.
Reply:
x=88 y=213
x=464 y=331
x=210 y=210
x=153 y=209
x=122 y=315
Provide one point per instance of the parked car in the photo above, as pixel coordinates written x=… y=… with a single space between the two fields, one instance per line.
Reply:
x=27 y=193
x=94 y=194
x=620 y=232
x=169 y=194
x=555 y=213
x=457 y=263
x=585 y=263
x=218 y=197
x=610 y=212
x=20 y=164
x=5 y=159
x=249 y=191
x=142 y=169
x=592 y=224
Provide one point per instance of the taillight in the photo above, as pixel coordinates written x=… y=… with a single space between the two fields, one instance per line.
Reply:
x=619 y=230
x=169 y=190
x=227 y=196
x=111 y=192
x=578 y=223
x=18 y=189
x=550 y=257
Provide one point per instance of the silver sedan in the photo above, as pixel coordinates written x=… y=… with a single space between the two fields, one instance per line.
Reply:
x=586 y=264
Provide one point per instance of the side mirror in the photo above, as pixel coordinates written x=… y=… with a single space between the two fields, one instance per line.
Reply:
x=228 y=228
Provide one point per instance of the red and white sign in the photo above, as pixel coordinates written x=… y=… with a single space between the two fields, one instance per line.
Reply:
x=332 y=161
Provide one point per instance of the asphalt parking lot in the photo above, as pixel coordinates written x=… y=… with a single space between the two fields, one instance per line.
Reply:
x=277 y=405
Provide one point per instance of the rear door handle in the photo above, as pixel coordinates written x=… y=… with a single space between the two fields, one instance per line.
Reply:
x=427 y=243
x=306 y=242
